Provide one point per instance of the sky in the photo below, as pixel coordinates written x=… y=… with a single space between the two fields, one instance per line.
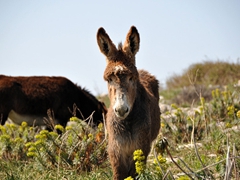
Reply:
x=58 y=38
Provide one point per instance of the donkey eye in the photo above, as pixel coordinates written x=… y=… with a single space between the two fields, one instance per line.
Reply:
x=131 y=78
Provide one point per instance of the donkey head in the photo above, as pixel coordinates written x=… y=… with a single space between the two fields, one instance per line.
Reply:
x=121 y=72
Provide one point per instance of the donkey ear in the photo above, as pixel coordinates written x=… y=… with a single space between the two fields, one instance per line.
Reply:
x=105 y=43
x=132 y=41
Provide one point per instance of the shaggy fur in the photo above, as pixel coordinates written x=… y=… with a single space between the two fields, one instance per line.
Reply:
x=34 y=96
x=136 y=125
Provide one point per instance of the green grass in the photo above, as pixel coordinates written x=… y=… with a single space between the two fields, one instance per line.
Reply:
x=198 y=145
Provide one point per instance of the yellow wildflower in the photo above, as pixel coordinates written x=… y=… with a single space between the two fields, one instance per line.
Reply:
x=230 y=110
x=13 y=126
x=24 y=124
x=68 y=128
x=162 y=125
x=75 y=119
x=217 y=93
x=139 y=157
x=100 y=126
x=18 y=140
x=129 y=178
x=161 y=160
x=183 y=178
x=31 y=154
x=28 y=144
x=32 y=149
x=90 y=136
x=238 y=114
x=213 y=94
x=39 y=142
x=59 y=127
x=5 y=137
x=40 y=136
x=174 y=106
x=53 y=134
x=3 y=129
x=44 y=132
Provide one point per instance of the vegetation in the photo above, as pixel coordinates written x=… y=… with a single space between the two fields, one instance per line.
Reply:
x=200 y=78
x=219 y=73
x=197 y=142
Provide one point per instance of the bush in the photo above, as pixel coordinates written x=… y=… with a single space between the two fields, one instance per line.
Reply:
x=208 y=73
x=79 y=148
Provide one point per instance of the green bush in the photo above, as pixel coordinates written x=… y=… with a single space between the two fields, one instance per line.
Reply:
x=218 y=73
x=79 y=148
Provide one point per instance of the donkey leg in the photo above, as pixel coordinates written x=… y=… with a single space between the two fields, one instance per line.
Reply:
x=120 y=171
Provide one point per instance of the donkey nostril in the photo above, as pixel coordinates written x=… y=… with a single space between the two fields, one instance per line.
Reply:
x=126 y=110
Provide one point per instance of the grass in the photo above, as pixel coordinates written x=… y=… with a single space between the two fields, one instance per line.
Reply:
x=201 y=145
x=197 y=142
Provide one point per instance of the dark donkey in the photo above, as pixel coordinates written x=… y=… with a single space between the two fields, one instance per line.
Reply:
x=29 y=98
x=133 y=118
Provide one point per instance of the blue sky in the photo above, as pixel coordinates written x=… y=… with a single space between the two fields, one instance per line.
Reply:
x=58 y=38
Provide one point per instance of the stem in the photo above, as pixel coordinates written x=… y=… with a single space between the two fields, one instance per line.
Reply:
x=177 y=164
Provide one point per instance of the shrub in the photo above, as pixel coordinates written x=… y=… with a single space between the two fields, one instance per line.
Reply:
x=218 y=73
x=79 y=147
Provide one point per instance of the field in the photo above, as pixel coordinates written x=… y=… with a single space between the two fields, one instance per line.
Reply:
x=199 y=139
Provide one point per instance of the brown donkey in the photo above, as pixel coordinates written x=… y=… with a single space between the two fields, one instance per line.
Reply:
x=133 y=118
x=29 y=99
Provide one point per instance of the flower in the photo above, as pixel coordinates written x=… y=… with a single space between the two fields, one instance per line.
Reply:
x=183 y=178
x=3 y=129
x=100 y=126
x=31 y=154
x=140 y=166
x=174 y=106
x=18 y=140
x=129 y=178
x=32 y=149
x=160 y=159
x=238 y=113
x=39 y=142
x=13 y=126
x=217 y=93
x=40 y=136
x=213 y=94
x=5 y=137
x=68 y=128
x=75 y=119
x=24 y=124
x=90 y=136
x=230 y=110
x=202 y=101
x=28 y=144
x=162 y=125
x=59 y=127
x=139 y=157
x=53 y=134
x=45 y=132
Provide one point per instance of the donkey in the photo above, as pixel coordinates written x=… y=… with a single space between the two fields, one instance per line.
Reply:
x=30 y=98
x=133 y=118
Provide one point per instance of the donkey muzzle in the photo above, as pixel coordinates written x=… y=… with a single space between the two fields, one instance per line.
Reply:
x=121 y=111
